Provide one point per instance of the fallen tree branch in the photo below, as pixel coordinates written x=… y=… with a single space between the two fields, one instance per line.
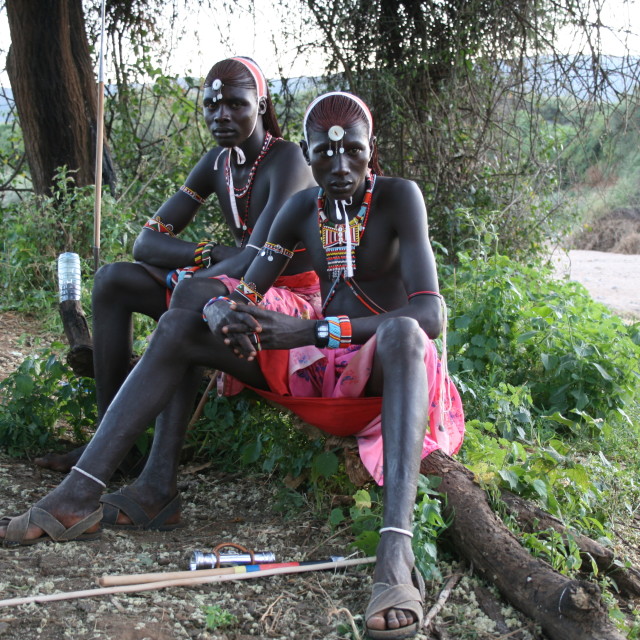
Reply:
x=566 y=609
x=531 y=519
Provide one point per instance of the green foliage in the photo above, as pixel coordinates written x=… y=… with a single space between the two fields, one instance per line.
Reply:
x=40 y=401
x=242 y=431
x=218 y=618
x=365 y=519
x=517 y=326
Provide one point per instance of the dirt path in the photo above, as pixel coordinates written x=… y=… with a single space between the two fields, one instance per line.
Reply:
x=610 y=278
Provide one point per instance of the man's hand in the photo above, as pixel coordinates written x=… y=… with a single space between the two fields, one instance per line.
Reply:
x=239 y=328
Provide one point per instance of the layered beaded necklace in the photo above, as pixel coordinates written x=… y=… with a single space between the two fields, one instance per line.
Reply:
x=340 y=240
x=236 y=193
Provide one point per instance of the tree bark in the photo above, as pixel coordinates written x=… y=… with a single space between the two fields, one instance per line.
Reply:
x=51 y=75
x=76 y=329
x=531 y=518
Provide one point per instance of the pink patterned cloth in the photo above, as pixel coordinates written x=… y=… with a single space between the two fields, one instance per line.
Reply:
x=325 y=387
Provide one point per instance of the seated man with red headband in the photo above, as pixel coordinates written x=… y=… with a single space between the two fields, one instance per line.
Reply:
x=252 y=171
x=368 y=367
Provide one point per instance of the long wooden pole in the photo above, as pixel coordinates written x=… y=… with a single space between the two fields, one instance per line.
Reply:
x=97 y=209
x=196 y=579
x=141 y=578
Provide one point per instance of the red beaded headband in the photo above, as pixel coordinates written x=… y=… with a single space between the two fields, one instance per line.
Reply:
x=258 y=76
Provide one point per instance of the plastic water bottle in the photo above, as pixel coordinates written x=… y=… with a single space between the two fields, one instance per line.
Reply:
x=69 y=279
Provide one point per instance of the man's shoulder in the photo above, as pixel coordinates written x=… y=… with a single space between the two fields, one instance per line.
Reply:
x=395 y=183
x=286 y=148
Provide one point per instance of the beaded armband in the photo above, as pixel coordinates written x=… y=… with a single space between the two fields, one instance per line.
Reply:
x=178 y=275
x=339 y=332
x=249 y=292
x=213 y=301
x=156 y=224
x=202 y=253
x=269 y=249
x=192 y=194
x=424 y=293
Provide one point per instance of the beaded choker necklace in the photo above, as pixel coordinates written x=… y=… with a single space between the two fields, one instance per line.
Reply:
x=340 y=240
x=241 y=192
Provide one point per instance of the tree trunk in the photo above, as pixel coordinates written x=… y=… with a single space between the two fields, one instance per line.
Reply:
x=566 y=609
x=76 y=328
x=51 y=75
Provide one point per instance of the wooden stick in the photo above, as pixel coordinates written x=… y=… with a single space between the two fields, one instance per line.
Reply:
x=141 y=578
x=163 y=584
x=442 y=598
x=205 y=397
x=97 y=208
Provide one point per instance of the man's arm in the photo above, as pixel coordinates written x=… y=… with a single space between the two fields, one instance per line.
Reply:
x=164 y=249
x=418 y=276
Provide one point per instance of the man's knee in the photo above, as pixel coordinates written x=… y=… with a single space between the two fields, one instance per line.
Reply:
x=193 y=293
x=176 y=327
x=112 y=278
x=400 y=338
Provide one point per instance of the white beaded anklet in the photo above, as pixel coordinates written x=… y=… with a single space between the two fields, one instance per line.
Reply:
x=404 y=532
x=88 y=475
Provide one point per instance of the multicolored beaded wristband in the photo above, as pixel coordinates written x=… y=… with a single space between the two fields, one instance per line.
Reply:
x=212 y=301
x=202 y=253
x=339 y=332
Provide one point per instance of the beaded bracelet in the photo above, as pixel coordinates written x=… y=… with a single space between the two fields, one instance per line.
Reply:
x=269 y=249
x=345 y=331
x=212 y=301
x=202 y=253
x=156 y=224
x=192 y=194
x=249 y=292
x=339 y=332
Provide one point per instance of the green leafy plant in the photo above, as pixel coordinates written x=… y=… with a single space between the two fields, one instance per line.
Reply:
x=218 y=618
x=42 y=400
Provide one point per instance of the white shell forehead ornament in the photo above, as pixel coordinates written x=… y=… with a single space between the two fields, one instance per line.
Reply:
x=214 y=91
x=336 y=134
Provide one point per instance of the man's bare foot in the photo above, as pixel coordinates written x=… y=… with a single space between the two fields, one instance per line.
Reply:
x=394 y=586
x=61 y=462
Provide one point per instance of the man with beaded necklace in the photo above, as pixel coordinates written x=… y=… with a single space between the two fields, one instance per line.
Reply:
x=368 y=369
x=253 y=171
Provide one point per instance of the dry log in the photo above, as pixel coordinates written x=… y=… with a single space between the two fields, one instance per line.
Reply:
x=531 y=518
x=76 y=328
x=565 y=609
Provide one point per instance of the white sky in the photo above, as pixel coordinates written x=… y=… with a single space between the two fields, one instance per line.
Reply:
x=210 y=36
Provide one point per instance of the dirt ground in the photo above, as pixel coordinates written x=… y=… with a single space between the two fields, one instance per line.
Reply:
x=218 y=508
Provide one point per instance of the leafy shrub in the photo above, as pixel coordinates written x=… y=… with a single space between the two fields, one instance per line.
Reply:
x=42 y=399
x=516 y=325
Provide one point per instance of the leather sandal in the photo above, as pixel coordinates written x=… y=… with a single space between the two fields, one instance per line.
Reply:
x=119 y=502
x=408 y=597
x=53 y=529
